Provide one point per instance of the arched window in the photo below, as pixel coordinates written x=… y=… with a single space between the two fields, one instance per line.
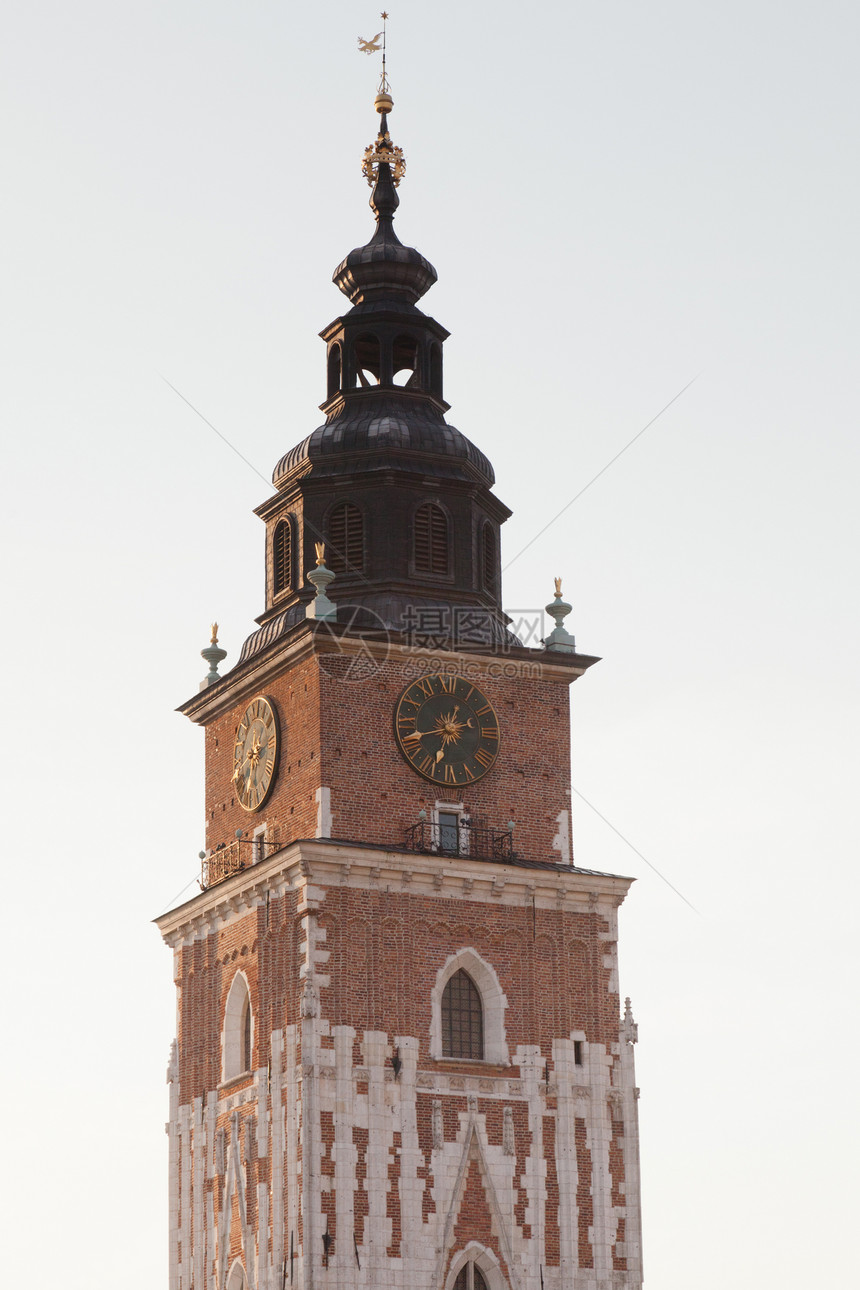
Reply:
x=462 y=1018
x=451 y=999
x=436 y=370
x=237 y=1040
x=246 y=1036
x=432 y=554
x=405 y=361
x=488 y=556
x=346 y=539
x=334 y=369
x=236 y=1279
x=282 y=556
x=470 y=1278
x=367 y=359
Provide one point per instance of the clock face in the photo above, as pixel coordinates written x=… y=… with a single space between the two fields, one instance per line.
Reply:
x=447 y=730
x=255 y=754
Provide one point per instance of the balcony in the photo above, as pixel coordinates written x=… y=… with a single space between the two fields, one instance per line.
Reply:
x=450 y=836
x=469 y=841
x=233 y=857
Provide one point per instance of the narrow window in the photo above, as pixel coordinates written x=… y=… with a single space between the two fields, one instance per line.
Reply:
x=449 y=830
x=577 y=1052
x=462 y=1018
x=405 y=361
x=282 y=556
x=436 y=371
x=334 y=369
x=431 y=539
x=367 y=359
x=488 y=556
x=238 y=1029
x=246 y=1036
x=469 y=1278
x=345 y=550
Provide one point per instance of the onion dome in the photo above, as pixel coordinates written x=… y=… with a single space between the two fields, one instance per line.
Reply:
x=384 y=269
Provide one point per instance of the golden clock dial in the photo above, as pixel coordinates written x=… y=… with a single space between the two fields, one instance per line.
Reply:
x=447 y=730
x=255 y=753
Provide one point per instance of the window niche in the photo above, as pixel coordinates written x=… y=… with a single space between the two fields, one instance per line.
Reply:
x=475 y=1268
x=470 y=1277
x=237 y=1039
x=431 y=540
x=457 y=1007
x=237 y=1279
x=282 y=556
x=462 y=1018
x=345 y=539
x=489 y=557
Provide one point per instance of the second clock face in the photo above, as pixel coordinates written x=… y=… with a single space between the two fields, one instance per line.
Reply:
x=255 y=754
x=447 y=729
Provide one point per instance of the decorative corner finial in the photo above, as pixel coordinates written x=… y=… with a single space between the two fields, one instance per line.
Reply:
x=559 y=638
x=213 y=654
x=320 y=577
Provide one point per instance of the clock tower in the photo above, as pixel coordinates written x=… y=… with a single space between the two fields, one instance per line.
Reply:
x=401 y=1057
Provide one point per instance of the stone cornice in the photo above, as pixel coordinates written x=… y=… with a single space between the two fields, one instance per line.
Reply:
x=305 y=639
x=315 y=865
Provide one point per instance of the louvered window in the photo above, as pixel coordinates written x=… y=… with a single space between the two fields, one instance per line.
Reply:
x=469 y=1278
x=462 y=1018
x=282 y=556
x=488 y=556
x=345 y=552
x=431 y=539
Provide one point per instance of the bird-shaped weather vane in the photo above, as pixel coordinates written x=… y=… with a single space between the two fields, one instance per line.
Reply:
x=383 y=151
x=373 y=46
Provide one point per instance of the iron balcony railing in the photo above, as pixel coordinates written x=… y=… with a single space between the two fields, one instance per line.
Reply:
x=443 y=838
x=233 y=857
x=467 y=840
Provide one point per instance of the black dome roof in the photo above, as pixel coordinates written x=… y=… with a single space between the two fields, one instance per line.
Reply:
x=369 y=429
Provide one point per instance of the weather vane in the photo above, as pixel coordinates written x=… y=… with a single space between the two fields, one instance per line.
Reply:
x=383 y=151
x=373 y=47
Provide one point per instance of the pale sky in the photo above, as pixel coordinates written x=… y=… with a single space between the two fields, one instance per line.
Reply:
x=618 y=198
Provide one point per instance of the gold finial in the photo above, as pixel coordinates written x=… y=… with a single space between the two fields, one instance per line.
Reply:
x=557 y=582
x=319 y=547
x=383 y=150
x=214 y=637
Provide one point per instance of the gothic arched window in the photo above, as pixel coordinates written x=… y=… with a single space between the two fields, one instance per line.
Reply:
x=237 y=1279
x=432 y=546
x=246 y=1036
x=345 y=551
x=488 y=556
x=282 y=556
x=462 y=1018
x=238 y=1036
x=469 y=1278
